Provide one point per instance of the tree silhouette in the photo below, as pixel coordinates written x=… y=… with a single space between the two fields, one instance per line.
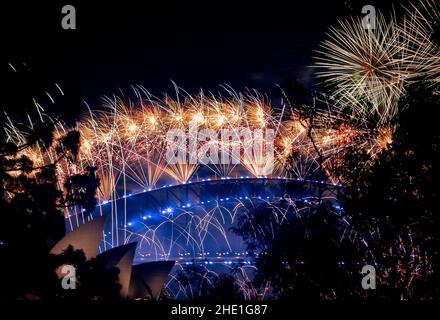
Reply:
x=32 y=208
x=394 y=201
x=390 y=221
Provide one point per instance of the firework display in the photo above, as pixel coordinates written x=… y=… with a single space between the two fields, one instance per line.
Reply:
x=177 y=172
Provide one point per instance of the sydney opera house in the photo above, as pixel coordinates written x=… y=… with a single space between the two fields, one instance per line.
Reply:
x=141 y=281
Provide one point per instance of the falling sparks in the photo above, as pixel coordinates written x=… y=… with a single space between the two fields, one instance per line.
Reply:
x=127 y=142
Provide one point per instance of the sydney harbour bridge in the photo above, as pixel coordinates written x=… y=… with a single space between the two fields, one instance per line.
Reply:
x=192 y=222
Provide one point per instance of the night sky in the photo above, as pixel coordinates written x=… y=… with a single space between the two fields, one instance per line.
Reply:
x=197 y=45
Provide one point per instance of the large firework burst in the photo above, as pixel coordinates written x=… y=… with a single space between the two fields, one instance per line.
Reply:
x=365 y=63
x=369 y=68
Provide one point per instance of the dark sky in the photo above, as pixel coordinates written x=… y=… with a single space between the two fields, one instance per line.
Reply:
x=203 y=44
